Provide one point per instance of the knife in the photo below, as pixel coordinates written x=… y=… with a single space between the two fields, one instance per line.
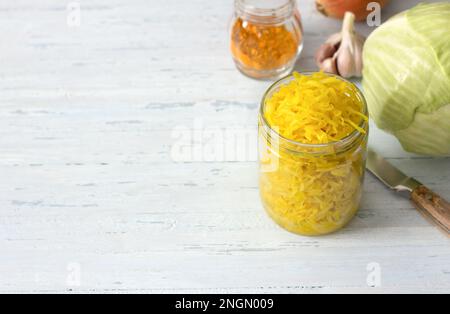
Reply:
x=430 y=204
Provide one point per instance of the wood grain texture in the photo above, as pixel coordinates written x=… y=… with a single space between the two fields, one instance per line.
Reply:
x=434 y=206
x=93 y=200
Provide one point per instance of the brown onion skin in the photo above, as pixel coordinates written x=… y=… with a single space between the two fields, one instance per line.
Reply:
x=337 y=8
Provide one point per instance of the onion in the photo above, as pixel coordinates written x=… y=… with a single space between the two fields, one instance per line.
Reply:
x=337 y=8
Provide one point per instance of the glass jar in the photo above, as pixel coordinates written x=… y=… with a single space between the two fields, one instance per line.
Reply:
x=266 y=37
x=311 y=189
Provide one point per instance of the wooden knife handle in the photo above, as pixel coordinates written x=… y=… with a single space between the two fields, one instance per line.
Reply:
x=433 y=206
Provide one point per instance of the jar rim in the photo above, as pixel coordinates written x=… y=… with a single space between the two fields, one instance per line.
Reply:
x=348 y=140
x=275 y=12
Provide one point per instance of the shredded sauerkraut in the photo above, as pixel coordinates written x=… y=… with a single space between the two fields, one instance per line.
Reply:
x=315 y=189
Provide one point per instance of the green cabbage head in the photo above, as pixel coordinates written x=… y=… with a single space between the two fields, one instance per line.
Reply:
x=407 y=78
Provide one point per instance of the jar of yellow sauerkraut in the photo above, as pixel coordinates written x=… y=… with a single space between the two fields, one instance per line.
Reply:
x=313 y=131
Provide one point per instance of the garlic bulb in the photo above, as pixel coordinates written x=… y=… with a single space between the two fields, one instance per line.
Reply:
x=342 y=52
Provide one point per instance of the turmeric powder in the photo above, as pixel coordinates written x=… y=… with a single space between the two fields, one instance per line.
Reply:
x=264 y=47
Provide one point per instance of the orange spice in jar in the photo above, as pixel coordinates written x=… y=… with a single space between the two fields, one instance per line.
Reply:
x=266 y=37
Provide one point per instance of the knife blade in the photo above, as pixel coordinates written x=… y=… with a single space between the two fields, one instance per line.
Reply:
x=430 y=204
x=389 y=175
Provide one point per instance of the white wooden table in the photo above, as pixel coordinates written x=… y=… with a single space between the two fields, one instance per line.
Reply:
x=94 y=197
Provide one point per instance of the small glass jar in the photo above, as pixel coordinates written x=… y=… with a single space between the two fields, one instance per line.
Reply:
x=311 y=189
x=266 y=37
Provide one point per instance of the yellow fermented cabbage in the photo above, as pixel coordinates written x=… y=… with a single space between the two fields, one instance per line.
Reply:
x=315 y=187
